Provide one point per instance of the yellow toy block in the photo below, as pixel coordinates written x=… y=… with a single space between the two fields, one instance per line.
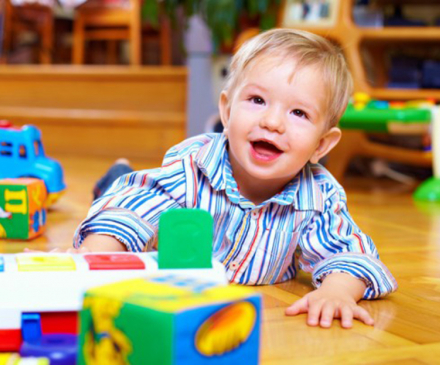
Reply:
x=22 y=208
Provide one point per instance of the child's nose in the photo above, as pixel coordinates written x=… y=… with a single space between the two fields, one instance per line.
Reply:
x=273 y=121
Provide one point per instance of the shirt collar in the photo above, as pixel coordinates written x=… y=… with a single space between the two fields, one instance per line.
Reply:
x=213 y=160
x=303 y=192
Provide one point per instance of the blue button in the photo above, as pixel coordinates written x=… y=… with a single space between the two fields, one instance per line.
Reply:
x=30 y=327
x=60 y=349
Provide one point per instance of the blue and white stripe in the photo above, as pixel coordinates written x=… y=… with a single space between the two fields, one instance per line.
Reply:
x=256 y=243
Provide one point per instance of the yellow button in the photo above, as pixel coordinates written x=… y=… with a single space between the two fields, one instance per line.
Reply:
x=45 y=263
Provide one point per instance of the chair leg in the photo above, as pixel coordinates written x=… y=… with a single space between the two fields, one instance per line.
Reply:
x=135 y=40
x=112 y=52
x=165 y=42
x=47 y=39
x=78 y=41
x=356 y=143
x=7 y=32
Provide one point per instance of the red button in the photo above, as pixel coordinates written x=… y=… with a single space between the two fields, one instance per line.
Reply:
x=5 y=124
x=114 y=262
x=10 y=340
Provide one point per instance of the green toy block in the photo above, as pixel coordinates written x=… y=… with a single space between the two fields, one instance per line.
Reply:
x=170 y=319
x=185 y=239
x=22 y=208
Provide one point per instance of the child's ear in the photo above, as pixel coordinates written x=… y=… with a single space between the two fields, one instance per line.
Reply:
x=329 y=140
x=224 y=109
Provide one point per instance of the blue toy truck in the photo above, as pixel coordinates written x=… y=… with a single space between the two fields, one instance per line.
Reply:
x=22 y=155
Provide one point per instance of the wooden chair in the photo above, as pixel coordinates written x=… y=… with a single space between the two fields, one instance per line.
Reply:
x=33 y=17
x=113 y=22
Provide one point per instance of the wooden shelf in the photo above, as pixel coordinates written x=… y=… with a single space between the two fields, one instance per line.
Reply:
x=105 y=111
x=351 y=37
x=404 y=94
x=401 y=33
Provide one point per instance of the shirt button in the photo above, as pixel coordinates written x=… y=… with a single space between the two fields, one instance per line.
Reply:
x=254 y=214
x=234 y=265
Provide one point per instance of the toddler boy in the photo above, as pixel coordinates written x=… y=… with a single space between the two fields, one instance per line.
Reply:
x=262 y=183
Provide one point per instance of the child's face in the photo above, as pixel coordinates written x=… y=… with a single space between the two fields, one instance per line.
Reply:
x=276 y=121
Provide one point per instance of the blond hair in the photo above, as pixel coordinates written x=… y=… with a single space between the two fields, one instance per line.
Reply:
x=307 y=49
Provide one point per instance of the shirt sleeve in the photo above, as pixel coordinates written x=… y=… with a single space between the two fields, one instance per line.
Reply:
x=334 y=243
x=130 y=209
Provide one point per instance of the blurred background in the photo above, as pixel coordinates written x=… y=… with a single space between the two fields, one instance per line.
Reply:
x=150 y=71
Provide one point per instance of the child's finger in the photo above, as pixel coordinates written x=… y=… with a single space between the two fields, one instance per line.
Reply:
x=361 y=314
x=314 y=313
x=29 y=250
x=346 y=316
x=327 y=315
x=78 y=250
x=300 y=306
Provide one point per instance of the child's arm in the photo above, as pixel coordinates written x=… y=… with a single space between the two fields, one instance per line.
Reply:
x=343 y=261
x=130 y=210
x=337 y=297
x=93 y=243
x=101 y=243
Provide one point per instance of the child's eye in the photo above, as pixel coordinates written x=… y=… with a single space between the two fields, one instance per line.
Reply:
x=256 y=100
x=299 y=113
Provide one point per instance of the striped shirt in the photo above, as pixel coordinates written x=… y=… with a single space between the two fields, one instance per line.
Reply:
x=307 y=225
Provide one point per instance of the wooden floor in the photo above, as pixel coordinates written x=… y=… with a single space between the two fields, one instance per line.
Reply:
x=407 y=329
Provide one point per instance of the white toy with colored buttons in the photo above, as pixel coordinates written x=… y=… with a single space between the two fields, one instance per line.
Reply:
x=43 y=293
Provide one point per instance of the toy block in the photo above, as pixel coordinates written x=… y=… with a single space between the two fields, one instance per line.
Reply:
x=22 y=208
x=170 y=319
x=185 y=239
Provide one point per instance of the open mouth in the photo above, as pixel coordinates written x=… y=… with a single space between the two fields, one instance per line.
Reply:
x=265 y=150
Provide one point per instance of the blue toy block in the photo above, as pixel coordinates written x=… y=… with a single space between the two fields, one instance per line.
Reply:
x=2 y=264
x=30 y=327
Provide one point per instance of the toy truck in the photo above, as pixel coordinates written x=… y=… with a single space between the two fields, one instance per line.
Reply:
x=22 y=155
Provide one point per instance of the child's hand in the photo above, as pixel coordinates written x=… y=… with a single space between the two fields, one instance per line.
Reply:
x=336 y=298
